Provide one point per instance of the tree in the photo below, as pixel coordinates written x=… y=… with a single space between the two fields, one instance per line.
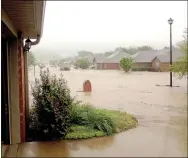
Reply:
x=53 y=62
x=180 y=68
x=145 y=48
x=82 y=63
x=132 y=50
x=108 y=53
x=126 y=63
x=84 y=53
x=120 y=49
x=31 y=59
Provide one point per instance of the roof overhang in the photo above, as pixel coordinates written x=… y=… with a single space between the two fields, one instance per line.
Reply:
x=24 y=16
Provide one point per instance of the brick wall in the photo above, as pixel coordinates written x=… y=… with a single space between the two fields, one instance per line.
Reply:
x=165 y=67
x=111 y=66
x=142 y=65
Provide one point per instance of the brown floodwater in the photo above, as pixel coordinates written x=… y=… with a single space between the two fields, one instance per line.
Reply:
x=161 y=112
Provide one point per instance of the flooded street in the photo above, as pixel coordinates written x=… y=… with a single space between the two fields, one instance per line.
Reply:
x=161 y=112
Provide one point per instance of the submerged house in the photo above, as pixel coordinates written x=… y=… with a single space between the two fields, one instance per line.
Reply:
x=156 y=59
x=93 y=59
x=112 y=62
x=20 y=20
x=98 y=57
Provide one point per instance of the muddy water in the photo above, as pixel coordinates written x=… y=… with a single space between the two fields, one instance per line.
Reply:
x=161 y=112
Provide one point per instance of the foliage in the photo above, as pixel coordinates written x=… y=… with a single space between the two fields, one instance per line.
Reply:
x=132 y=50
x=31 y=59
x=126 y=63
x=87 y=115
x=64 y=68
x=83 y=132
x=145 y=48
x=180 y=68
x=88 y=121
x=117 y=49
x=108 y=53
x=50 y=115
x=84 y=53
x=53 y=62
x=82 y=63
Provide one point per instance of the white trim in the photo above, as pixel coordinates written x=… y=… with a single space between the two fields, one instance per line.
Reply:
x=39 y=13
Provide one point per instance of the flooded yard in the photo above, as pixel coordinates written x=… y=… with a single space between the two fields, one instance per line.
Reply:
x=161 y=112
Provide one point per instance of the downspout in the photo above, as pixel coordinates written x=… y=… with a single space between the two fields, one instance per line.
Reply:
x=27 y=85
x=37 y=41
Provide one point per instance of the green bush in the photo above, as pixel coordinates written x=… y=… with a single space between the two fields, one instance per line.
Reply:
x=126 y=63
x=82 y=63
x=50 y=114
x=87 y=115
x=64 y=68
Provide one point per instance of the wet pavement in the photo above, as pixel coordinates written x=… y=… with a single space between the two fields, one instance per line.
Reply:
x=161 y=112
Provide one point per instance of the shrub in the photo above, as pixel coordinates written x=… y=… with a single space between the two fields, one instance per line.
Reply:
x=50 y=114
x=66 y=69
x=87 y=115
x=82 y=63
x=126 y=63
x=180 y=67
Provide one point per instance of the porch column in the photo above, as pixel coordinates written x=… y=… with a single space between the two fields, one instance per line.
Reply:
x=26 y=90
x=21 y=88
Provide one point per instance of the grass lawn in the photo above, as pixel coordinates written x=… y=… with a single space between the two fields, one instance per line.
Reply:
x=105 y=122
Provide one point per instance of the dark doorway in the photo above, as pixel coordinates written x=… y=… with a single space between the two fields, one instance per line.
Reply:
x=5 y=134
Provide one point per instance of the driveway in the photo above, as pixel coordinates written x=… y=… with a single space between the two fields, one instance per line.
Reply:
x=161 y=112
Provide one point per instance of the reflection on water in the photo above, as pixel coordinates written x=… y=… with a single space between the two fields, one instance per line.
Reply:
x=93 y=144
x=89 y=94
x=161 y=112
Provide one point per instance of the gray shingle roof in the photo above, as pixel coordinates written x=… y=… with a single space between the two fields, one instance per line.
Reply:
x=116 y=57
x=99 y=57
x=162 y=55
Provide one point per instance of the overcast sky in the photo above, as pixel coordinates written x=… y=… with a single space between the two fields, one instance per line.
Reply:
x=100 y=26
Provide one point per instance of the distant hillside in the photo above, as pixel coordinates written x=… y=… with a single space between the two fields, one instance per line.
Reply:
x=46 y=57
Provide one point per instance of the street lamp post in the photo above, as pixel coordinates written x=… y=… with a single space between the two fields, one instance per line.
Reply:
x=170 y=21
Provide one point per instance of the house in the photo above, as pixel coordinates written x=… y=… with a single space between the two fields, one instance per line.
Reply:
x=112 y=62
x=156 y=59
x=20 y=20
x=93 y=59
x=98 y=57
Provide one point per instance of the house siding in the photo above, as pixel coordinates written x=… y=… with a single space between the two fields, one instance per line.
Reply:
x=142 y=65
x=164 y=66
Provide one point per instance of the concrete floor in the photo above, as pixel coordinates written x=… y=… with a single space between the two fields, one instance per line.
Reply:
x=161 y=112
